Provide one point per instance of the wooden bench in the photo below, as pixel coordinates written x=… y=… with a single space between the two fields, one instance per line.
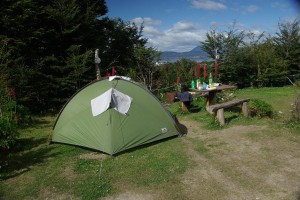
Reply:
x=218 y=109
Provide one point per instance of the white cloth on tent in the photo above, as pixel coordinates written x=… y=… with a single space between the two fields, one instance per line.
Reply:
x=119 y=77
x=120 y=101
x=111 y=98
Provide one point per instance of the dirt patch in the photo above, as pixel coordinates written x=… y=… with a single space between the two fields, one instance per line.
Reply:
x=93 y=156
x=241 y=162
x=52 y=194
x=69 y=173
x=133 y=195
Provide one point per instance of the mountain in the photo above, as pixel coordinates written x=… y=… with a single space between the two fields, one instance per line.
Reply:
x=196 y=54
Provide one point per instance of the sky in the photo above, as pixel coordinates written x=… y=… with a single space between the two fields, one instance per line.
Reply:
x=180 y=25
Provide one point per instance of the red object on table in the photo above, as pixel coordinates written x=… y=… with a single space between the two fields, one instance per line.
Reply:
x=204 y=71
x=216 y=69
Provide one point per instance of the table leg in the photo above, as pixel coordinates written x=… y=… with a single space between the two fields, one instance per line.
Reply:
x=211 y=99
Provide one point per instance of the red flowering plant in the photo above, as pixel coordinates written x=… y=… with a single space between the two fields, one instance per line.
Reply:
x=8 y=118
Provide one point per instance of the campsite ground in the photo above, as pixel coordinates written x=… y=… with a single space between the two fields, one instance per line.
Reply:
x=249 y=158
x=239 y=162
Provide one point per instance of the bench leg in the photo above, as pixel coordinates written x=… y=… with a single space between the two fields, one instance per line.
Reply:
x=220 y=116
x=184 y=107
x=245 y=109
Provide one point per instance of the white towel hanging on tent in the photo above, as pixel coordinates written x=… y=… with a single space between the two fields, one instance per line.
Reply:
x=111 y=98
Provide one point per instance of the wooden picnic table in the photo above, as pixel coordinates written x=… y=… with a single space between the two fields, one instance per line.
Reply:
x=212 y=93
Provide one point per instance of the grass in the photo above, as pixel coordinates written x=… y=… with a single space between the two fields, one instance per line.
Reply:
x=281 y=100
x=206 y=146
x=60 y=169
x=36 y=170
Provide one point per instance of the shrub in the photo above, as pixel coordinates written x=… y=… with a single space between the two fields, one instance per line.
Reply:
x=294 y=122
x=296 y=109
x=8 y=125
x=260 y=108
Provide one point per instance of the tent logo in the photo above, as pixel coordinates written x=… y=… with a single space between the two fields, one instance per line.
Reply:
x=164 y=130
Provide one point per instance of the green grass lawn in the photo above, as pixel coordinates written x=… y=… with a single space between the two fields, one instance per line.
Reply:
x=38 y=167
x=37 y=170
x=281 y=99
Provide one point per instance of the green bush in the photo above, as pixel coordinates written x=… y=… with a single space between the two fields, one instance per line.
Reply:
x=296 y=109
x=8 y=125
x=294 y=122
x=260 y=108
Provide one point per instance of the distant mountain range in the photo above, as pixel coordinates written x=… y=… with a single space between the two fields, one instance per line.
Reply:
x=196 y=54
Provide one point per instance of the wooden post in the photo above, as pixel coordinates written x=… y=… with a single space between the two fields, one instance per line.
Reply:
x=97 y=64
x=220 y=116
x=98 y=74
x=245 y=109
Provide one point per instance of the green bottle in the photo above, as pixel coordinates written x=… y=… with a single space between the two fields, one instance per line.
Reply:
x=210 y=79
x=193 y=84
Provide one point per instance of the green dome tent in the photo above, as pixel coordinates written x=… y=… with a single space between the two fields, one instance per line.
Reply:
x=112 y=116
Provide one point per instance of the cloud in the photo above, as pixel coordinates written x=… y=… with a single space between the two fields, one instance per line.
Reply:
x=208 y=5
x=183 y=36
x=280 y=5
x=184 y=26
x=147 y=21
x=251 y=8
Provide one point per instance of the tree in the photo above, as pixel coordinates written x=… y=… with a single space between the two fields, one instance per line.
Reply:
x=78 y=64
x=288 y=45
x=119 y=42
x=214 y=40
x=229 y=45
x=146 y=59
x=247 y=59
x=40 y=34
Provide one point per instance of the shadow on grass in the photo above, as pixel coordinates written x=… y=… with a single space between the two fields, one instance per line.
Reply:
x=28 y=151
x=195 y=109
x=235 y=113
x=40 y=123
x=229 y=119
x=15 y=164
x=26 y=144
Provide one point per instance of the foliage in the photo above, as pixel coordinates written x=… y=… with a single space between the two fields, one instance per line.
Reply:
x=269 y=69
x=181 y=71
x=248 y=59
x=8 y=126
x=12 y=116
x=288 y=46
x=260 y=108
x=146 y=59
x=294 y=122
x=77 y=64
x=51 y=45
x=8 y=123
x=296 y=108
x=214 y=40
